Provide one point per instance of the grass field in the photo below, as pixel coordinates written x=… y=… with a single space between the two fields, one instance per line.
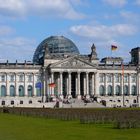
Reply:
x=14 y=127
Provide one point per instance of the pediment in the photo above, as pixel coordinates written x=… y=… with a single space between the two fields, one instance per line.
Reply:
x=72 y=63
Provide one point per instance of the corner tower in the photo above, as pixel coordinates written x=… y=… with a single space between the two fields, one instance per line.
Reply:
x=135 y=56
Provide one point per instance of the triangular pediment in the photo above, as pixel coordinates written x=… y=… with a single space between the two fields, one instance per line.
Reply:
x=72 y=62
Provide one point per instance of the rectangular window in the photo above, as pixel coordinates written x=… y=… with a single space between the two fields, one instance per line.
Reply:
x=12 y=78
x=117 y=78
x=101 y=78
x=30 y=78
x=109 y=78
x=133 y=79
x=21 y=78
x=125 y=78
x=3 y=78
x=38 y=77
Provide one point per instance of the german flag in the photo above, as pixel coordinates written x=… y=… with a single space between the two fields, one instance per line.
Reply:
x=114 y=47
x=52 y=85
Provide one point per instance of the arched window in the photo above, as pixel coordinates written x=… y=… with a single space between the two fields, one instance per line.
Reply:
x=3 y=90
x=30 y=91
x=126 y=90
x=102 y=90
x=38 y=91
x=134 y=90
x=21 y=91
x=118 y=90
x=12 y=90
x=109 y=90
x=134 y=101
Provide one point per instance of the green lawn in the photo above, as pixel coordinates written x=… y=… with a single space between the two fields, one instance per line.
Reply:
x=14 y=127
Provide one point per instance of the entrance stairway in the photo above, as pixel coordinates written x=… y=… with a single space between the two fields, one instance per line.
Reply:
x=77 y=103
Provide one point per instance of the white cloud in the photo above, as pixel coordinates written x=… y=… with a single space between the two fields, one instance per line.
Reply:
x=17 y=48
x=116 y=3
x=104 y=32
x=59 y=8
x=12 y=8
x=5 y=30
x=130 y=16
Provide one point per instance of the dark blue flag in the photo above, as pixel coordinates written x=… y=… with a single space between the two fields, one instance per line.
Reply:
x=38 y=85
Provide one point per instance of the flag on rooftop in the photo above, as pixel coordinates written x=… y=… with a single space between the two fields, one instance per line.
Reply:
x=114 y=47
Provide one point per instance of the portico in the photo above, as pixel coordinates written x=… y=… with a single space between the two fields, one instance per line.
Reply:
x=73 y=84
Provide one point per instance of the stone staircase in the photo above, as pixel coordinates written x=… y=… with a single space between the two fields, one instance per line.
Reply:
x=77 y=103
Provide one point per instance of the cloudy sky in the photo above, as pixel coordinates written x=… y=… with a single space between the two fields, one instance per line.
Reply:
x=25 y=23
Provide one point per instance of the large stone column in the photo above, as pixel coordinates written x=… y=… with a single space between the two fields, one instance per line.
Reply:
x=95 y=84
x=61 y=85
x=69 y=79
x=84 y=84
x=87 y=84
x=92 y=84
x=78 y=85
x=52 y=81
x=67 y=83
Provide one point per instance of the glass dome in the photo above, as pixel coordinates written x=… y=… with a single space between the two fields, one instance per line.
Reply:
x=56 y=45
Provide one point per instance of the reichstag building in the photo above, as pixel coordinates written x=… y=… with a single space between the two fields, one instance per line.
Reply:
x=60 y=74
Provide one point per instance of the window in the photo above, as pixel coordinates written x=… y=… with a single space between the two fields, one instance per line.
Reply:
x=21 y=91
x=109 y=78
x=3 y=90
x=12 y=90
x=133 y=78
x=118 y=90
x=3 y=78
x=30 y=102
x=12 y=102
x=126 y=90
x=30 y=91
x=134 y=101
x=30 y=78
x=38 y=77
x=102 y=90
x=101 y=78
x=12 y=78
x=3 y=103
x=21 y=78
x=125 y=78
x=117 y=78
x=21 y=102
x=38 y=91
x=134 y=90
x=109 y=90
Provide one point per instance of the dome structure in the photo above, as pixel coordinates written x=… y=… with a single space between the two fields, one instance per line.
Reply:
x=54 y=45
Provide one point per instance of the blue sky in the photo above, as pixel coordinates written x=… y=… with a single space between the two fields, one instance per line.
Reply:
x=25 y=23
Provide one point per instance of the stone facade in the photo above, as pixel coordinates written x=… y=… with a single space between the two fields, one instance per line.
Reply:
x=110 y=82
